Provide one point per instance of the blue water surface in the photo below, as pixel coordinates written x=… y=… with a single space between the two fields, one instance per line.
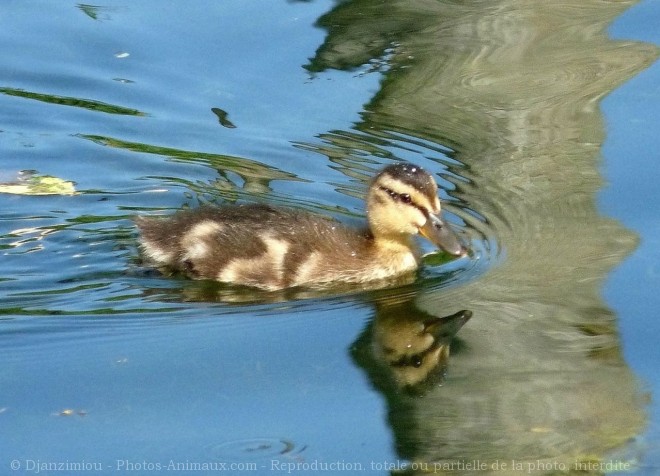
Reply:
x=110 y=363
x=95 y=370
x=632 y=155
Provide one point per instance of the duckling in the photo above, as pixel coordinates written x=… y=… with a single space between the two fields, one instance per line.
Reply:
x=275 y=248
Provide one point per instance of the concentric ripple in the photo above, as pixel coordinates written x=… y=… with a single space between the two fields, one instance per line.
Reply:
x=255 y=449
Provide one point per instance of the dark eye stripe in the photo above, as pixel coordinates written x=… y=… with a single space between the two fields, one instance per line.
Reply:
x=403 y=198
x=415 y=360
x=399 y=197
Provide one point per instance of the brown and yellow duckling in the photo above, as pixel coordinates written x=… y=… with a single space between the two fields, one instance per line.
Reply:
x=275 y=248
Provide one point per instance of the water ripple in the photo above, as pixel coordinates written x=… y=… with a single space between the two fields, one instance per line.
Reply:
x=256 y=449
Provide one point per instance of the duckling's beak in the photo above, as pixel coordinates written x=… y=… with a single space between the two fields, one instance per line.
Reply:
x=445 y=328
x=438 y=232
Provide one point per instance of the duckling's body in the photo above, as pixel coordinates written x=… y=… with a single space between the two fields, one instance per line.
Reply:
x=275 y=248
x=269 y=247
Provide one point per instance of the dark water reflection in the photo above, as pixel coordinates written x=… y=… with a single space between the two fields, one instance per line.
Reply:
x=513 y=89
x=500 y=100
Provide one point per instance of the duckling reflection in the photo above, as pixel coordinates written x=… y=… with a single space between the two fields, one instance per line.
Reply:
x=406 y=347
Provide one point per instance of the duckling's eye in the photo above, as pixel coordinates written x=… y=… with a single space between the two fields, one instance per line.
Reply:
x=402 y=197
x=413 y=361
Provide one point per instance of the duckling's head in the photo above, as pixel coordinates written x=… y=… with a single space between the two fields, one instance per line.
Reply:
x=403 y=201
x=413 y=344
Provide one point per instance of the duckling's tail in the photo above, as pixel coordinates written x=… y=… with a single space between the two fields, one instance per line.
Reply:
x=156 y=243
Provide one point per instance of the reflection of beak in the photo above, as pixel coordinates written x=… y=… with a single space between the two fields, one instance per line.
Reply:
x=438 y=232
x=445 y=328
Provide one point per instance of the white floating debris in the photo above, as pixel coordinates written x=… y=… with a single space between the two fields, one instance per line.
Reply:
x=29 y=182
x=67 y=412
x=123 y=54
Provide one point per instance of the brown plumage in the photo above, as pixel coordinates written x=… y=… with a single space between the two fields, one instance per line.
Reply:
x=275 y=248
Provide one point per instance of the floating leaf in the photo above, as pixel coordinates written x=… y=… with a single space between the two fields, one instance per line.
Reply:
x=29 y=183
x=222 y=118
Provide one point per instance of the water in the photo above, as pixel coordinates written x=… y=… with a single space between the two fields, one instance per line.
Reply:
x=147 y=108
x=629 y=148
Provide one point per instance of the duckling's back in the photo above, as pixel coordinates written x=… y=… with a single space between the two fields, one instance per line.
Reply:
x=263 y=246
